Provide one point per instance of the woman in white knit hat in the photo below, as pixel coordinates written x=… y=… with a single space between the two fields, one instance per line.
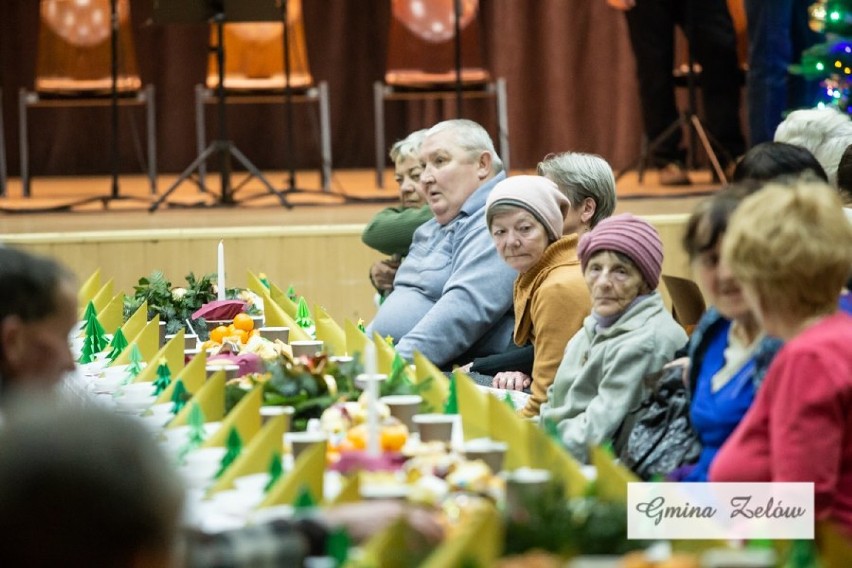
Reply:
x=525 y=215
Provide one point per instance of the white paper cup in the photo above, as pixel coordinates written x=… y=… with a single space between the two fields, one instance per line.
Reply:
x=523 y=487
x=490 y=451
x=403 y=407
x=435 y=427
x=213 y=324
x=162 y=333
x=232 y=371
x=282 y=334
x=362 y=380
x=301 y=441
x=269 y=412
x=306 y=348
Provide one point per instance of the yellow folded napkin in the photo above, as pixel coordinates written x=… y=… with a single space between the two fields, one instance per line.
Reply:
x=479 y=543
x=356 y=340
x=193 y=376
x=350 y=492
x=136 y=322
x=385 y=354
x=257 y=455
x=506 y=426
x=308 y=472
x=329 y=332
x=549 y=454
x=281 y=298
x=612 y=479
x=245 y=417
x=148 y=341
x=210 y=398
x=172 y=352
x=88 y=290
x=104 y=295
x=112 y=316
x=434 y=385
x=275 y=316
x=387 y=548
x=473 y=407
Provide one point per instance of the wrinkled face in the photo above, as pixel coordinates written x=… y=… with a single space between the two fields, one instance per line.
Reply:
x=612 y=283
x=718 y=285
x=407 y=174
x=36 y=353
x=450 y=174
x=519 y=237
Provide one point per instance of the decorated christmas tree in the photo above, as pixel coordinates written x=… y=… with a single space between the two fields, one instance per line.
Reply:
x=830 y=61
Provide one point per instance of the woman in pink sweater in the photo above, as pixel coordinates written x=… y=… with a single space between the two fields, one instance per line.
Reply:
x=791 y=249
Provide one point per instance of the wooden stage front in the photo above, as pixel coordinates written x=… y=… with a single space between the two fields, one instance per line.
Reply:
x=314 y=245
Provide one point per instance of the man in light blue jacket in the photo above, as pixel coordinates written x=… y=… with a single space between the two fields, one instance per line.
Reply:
x=452 y=297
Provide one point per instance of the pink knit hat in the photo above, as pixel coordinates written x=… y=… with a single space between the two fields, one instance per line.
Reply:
x=630 y=235
x=536 y=194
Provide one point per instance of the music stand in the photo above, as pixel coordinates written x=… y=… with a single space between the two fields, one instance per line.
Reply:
x=689 y=118
x=219 y=12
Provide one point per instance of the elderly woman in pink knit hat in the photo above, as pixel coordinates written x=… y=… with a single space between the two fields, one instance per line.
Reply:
x=628 y=335
x=525 y=215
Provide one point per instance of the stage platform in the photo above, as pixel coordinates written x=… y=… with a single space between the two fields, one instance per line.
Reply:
x=314 y=245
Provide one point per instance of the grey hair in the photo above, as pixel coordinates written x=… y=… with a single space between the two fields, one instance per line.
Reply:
x=471 y=137
x=579 y=176
x=825 y=132
x=408 y=147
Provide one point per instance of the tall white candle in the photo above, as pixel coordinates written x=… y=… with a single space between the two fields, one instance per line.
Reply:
x=373 y=445
x=220 y=272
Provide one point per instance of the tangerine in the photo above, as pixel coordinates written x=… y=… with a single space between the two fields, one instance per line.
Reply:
x=244 y=322
x=217 y=334
x=392 y=438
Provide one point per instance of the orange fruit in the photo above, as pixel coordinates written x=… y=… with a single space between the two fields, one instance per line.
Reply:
x=244 y=322
x=357 y=436
x=217 y=334
x=242 y=335
x=392 y=438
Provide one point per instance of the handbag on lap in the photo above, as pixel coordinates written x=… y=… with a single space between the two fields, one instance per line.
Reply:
x=659 y=436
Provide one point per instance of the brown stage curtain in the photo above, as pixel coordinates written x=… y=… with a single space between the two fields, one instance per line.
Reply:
x=568 y=66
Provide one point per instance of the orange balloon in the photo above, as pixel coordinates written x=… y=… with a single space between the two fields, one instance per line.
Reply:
x=433 y=20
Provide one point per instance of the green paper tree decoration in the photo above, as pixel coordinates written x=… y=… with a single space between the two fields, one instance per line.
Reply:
x=304 y=319
x=398 y=382
x=135 y=366
x=117 y=345
x=95 y=340
x=291 y=293
x=452 y=404
x=549 y=427
x=337 y=546
x=195 y=436
x=264 y=280
x=507 y=398
x=233 y=447
x=361 y=327
x=179 y=397
x=164 y=378
x=304 y=499
x=88 y=314
x=275 y=470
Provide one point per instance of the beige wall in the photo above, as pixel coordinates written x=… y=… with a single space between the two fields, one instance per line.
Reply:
x=326 y=264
